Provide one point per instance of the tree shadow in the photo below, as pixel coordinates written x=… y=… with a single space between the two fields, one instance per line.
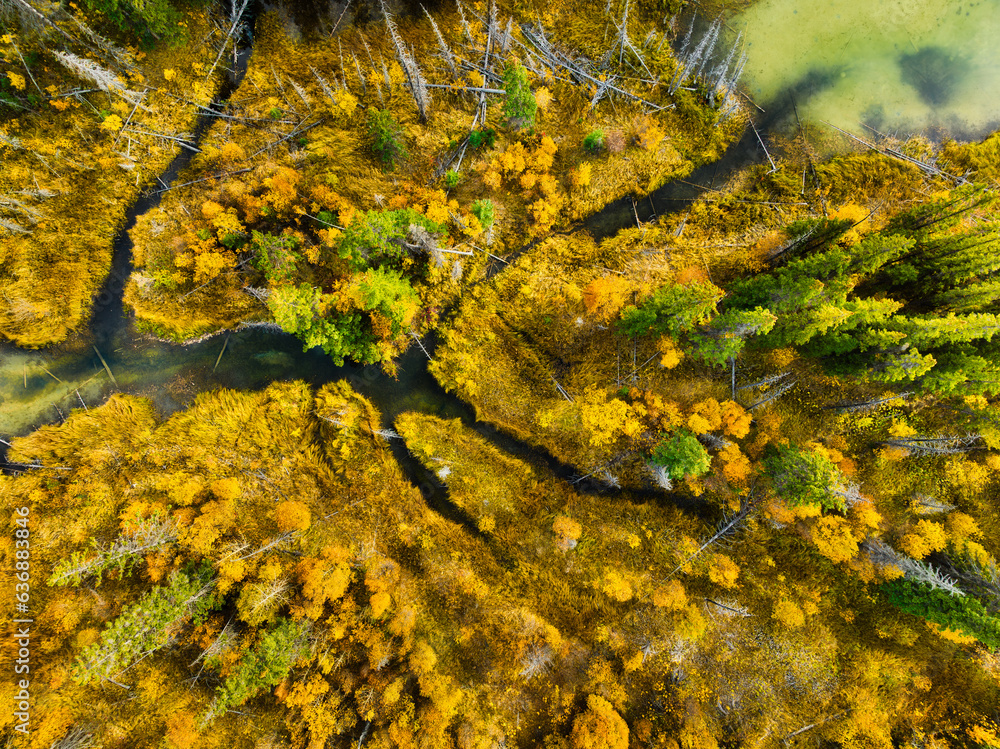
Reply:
x=934 y=73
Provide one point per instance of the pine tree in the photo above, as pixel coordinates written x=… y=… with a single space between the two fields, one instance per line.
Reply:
x=804 y=477
x=964 y=614
x=263 y=667
x=961 y=371
x=935 y=331
x=809 y=295
x=721 y=340
x=972 y=297
x=148 y=625
x=897 y=366
x=520 y=106
x=671 y=310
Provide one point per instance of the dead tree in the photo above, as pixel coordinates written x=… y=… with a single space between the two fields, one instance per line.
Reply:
x=725 y=529
x=414 y=77
x=766 y=381
x=623 y=43
x=773 y=394
x=150 y=534
x=75 y=738
x=867 y=405
x=449 y=58
x=937 y=445
x=721 y=79
x=100 y=76
x=580 y=70
x=927 y=167
x=924 y=504
x=879 y=552
x=29 y=15
x=236 y=15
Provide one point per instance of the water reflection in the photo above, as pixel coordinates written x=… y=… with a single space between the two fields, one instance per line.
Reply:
x=914 y=66
x=44 y=387
x=934 y=73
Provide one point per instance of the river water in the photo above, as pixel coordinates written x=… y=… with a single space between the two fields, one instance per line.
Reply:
x=898 y=66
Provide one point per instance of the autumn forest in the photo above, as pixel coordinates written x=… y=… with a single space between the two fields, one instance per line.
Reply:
x=718 y=472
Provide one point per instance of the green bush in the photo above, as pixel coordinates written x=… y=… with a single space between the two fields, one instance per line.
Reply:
x=151 y=20
x=303 y=311
x=482 y=138
x=804 y=477
x=594 y=141
x=451 y=179
x=519 y=107
x=386 y=137
x=483 y=210
x=682 y=454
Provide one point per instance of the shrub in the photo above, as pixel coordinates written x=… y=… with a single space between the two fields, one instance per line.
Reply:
x=484 y=137
x=682 y=455
x=804 y=477
x=151 y=21
x=386 y=137
x=483 y=210
x=594 y=141
x=451 y=179
x=520 y=107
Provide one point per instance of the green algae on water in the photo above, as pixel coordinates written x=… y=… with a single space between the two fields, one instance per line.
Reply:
x=900 y=66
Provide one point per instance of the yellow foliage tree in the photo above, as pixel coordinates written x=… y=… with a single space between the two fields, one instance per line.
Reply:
x=925 y=537
x=616 y=586
x=605 y=296
x=735 y=420
x=672 y=354
x=567 y=532
x=788 y=614
x=722 y=570
x=600 y=727
x=706 y=416
x=670 y=596
x=182 y=730
x=293 y=515
x=735 y=465
x=606 y=421
x=834 y=538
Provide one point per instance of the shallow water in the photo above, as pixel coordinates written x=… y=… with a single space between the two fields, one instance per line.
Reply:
x=41 y=387
x=899 y=66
